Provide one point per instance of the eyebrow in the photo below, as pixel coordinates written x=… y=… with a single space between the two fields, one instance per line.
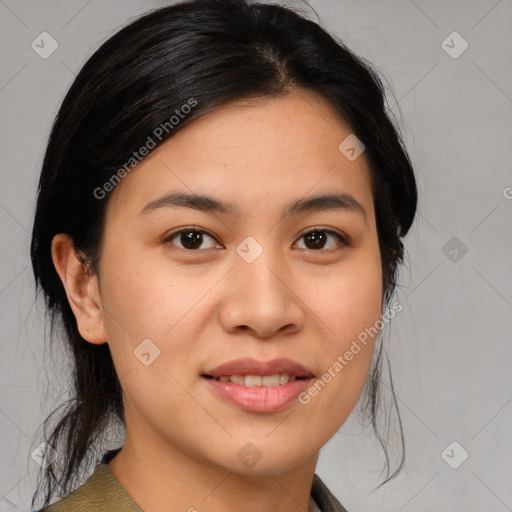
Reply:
x=203 y=203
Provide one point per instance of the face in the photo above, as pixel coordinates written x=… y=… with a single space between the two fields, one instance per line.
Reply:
x=187 y=287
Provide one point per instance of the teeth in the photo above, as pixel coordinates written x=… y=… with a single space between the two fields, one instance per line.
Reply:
x=237 y=379
x=270 y=380
x=252 y=381
x=267 y=381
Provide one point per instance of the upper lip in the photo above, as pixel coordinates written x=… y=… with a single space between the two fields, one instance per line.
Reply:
x=248 y=366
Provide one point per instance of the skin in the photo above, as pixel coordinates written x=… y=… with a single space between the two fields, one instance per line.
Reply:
x=202 y=307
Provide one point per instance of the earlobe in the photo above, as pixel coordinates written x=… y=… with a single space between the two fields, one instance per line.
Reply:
x=81 y=289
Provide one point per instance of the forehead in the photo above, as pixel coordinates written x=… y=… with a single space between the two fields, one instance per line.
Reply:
x=254 y=152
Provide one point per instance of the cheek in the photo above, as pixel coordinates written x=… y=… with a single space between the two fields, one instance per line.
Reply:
x=148 y=314
x=350 y=312
x=146 y=298
x=350 y=300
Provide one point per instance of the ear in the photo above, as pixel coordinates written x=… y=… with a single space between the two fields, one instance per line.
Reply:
x=81 y=289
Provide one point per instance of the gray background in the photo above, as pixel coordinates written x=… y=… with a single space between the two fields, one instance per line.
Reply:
x=450 y=347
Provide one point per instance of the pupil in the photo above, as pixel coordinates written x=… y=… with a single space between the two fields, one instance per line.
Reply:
x=191 y=238
x=316 y=239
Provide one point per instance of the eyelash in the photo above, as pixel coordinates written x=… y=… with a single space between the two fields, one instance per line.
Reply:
x=344 y=241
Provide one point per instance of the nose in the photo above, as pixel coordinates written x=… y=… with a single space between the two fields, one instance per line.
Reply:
x=259 y=297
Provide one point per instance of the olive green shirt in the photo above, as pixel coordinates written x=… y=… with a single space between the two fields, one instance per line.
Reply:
x=102 y=492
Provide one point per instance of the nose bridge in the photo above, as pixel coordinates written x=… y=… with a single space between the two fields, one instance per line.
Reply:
x=256 y=266
x=259 y=292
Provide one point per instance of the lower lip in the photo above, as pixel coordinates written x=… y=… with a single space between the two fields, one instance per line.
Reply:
x=260 y=398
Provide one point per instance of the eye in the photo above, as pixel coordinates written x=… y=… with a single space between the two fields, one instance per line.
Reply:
x=190 y=238
x=317 y=238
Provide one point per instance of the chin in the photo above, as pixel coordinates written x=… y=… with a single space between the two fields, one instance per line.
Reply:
x=260 y=457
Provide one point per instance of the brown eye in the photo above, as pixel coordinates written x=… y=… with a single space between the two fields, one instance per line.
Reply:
x=190 y=239
x=317 y=239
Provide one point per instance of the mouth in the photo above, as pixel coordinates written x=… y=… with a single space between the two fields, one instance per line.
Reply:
x=267 y=381
x=250 y=371
x=256 y=386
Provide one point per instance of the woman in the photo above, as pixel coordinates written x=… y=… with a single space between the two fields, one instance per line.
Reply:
x=218 y=227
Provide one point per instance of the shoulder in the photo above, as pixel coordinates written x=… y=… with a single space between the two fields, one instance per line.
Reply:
x=101 y=492
x=86 y=497
x=325 y=499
